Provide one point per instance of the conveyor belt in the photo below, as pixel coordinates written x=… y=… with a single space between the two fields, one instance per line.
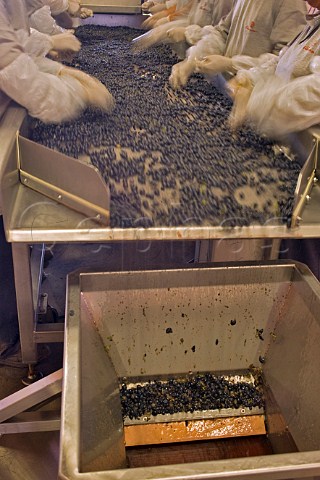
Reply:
x=169 y=157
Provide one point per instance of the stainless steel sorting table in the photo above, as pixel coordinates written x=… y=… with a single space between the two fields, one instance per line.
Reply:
x=31 y=217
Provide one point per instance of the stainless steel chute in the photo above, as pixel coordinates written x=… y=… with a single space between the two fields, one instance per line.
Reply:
x=108 y=311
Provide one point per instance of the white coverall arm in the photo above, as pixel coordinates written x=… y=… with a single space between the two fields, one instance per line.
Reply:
x=290 y=20
x=193 y=34
x=213 y=40
x=36 y=44
x=257 y=67
x=45 y=96
x=43 y=21
x=211 y=14
x=57 y=6
x=277 y=107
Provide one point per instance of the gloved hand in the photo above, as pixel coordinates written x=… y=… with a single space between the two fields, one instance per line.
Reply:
x=146 y=5
x=158 y=7
x=65 y=56
x=181 y=72
x=240 y=89
x=176 y=34
x=85 y=13
x=315 y=65
x=75 y=10
x=153 y=19
x=65 y=41
x=95 y=93
x=162 y=21
x=213 y=64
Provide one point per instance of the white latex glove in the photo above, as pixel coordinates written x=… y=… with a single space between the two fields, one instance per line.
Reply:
x=96 y=94
x=65 y=41
x=85 y=13
x=315 y=65
x=213 y=64
x=177 y=34
x=240 y=89
x=162 y=21
x=181 y=72
x=151 y=21
x=146 y=5
x=65 y=56
x=43 y=21
x=157 y=8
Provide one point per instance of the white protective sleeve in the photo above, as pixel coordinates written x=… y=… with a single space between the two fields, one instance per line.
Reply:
x=193 y=34
x=43 y=21
x=260 y=66
x=47 y=97
x=178 y=3
x=57 y=6
x=169 y=3
x=46 y=65
x=205 y=12
x=213 y=40
x=278 y=108
x=36 y=44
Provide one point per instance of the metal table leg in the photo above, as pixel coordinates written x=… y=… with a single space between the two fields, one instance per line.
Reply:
x=25 y=304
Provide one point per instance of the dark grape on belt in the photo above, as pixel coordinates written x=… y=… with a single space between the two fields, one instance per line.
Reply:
x=197 y=393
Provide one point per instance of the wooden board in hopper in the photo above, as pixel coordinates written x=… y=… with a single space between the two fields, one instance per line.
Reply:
x=192 y=430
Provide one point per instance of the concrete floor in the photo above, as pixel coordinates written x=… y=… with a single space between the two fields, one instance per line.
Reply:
x=35 y=456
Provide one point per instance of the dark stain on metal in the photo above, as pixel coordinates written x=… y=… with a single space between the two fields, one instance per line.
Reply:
x=259 y=333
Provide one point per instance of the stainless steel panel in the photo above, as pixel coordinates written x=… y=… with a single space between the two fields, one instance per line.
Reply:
x=42 y=421
x=67 y=180
x=132 y=311
x=31 y=395
x=129 y=312
x=95 y=437
x=49 y=333
x=113 y=6
x=292 y=363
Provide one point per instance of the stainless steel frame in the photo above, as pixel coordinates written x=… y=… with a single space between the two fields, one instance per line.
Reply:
x=13 y=417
